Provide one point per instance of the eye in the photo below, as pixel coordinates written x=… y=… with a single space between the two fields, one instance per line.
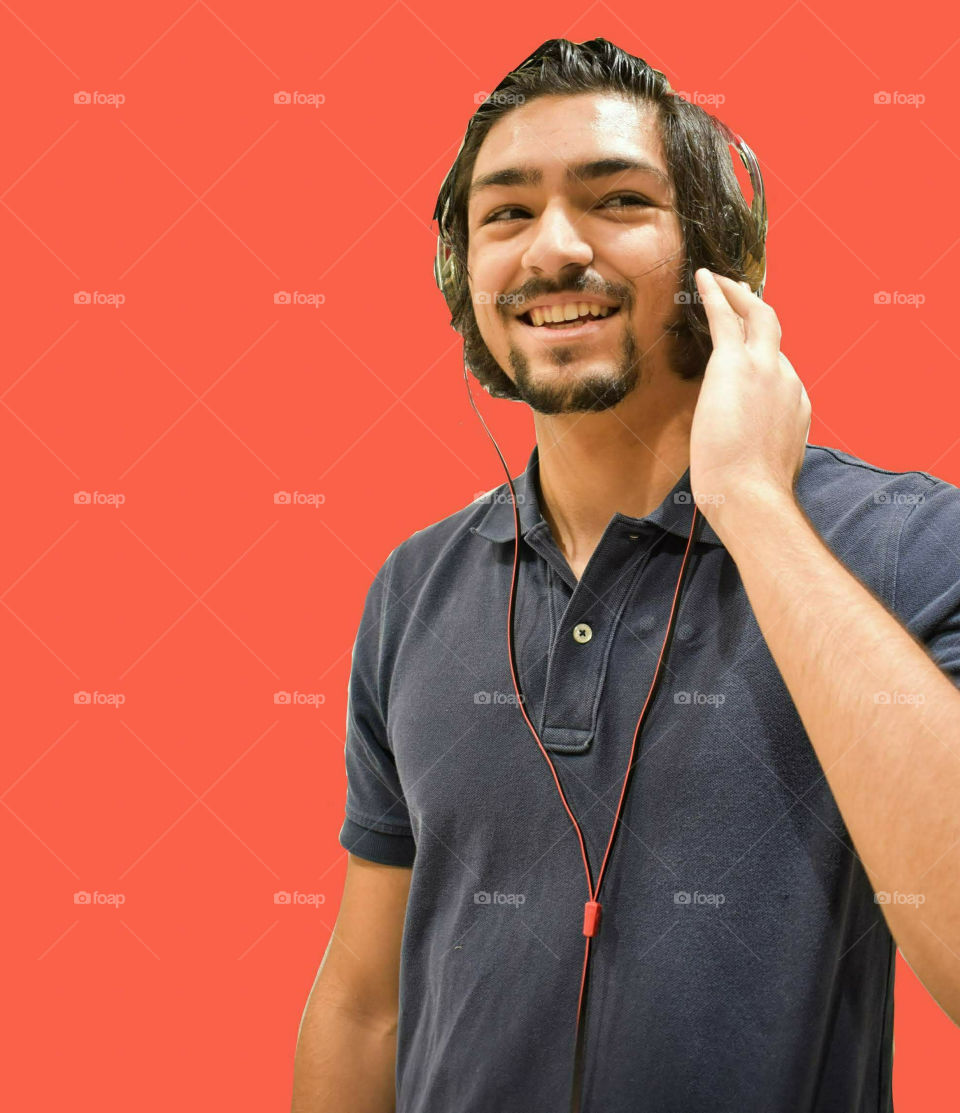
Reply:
x=494 y=218
x=634 y=199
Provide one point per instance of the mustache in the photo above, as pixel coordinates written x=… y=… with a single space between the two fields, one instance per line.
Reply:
x=621 y=294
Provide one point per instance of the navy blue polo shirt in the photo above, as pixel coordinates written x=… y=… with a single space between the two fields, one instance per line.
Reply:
x=742 y=962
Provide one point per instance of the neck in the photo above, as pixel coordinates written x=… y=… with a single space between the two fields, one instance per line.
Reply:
x=623 y=460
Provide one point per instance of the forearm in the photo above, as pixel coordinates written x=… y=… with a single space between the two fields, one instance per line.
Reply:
x=882 y=719
x=345 y=1062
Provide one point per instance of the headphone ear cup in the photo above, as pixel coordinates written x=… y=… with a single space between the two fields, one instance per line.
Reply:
x=445 y=272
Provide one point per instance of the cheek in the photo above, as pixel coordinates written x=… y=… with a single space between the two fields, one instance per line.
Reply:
x=493 y=267
x=488 y=321
x=651 y=267
x=493 y=328
x=483 y=290
x=647 y=257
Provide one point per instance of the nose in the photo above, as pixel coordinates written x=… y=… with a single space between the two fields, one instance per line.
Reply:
x=556 y=243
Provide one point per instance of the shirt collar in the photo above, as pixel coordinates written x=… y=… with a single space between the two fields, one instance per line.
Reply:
x=674 y=514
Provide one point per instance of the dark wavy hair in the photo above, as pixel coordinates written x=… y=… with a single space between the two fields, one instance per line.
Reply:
x=720 y=229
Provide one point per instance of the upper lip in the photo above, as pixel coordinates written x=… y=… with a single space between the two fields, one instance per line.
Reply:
x=566 y=299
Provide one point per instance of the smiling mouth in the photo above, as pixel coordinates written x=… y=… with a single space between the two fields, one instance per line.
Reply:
x=576 y=322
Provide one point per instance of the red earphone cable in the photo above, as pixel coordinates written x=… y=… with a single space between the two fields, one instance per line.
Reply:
x=592 y=907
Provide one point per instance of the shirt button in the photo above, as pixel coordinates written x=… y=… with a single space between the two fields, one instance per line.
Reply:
x=582 y=632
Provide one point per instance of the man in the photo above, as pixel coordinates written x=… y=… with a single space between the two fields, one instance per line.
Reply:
x=791 y=815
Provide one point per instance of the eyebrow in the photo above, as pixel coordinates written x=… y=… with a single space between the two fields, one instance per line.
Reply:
x=578 y=171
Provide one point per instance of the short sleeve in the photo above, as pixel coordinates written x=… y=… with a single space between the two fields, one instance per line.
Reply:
x=376 y=824
x=927 y=577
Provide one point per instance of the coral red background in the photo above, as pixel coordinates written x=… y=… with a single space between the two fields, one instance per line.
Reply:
x=199 y=597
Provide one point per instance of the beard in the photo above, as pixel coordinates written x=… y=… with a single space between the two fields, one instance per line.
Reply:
x=590 y=392
x=688 y=351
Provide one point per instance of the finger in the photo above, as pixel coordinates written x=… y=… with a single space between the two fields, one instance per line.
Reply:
x=725 y=328
x=760 y=320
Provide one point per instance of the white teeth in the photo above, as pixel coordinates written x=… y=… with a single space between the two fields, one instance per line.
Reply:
x=542 y=315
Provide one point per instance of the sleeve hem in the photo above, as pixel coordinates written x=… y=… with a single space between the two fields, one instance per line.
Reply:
x=378 y=846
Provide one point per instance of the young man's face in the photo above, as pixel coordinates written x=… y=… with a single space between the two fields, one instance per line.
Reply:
x=607 y=236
